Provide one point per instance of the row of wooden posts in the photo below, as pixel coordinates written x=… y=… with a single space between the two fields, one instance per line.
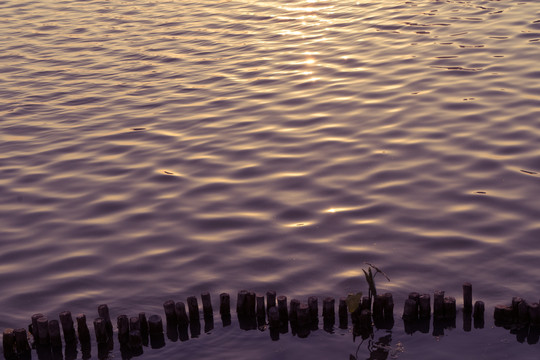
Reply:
x=253 y=311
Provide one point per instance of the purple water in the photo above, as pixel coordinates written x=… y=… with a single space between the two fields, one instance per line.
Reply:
x=158 y=149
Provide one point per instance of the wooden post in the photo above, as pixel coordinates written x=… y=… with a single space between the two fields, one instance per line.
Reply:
x=515 y=304
x=54 y=334
x=478 y=310
x=170 y=312
x=250 y=304
x=208 y=311
x=282 y=309
x=21 y=341
x=122 y=323
x=313 y=305
x=366 y=303
x=449 y=307
x=364 y=322
x=261 y=309
x=103 y=312
x=523 y=312
x=410 y=310
x=388 y=306
x=378 y=306
x=343 y=313
x=8 y=342
x=241 y=307
x=293 y=311
x=329 y=312
x=273 y=317
x=303 y=320
x=181 y=314
x=438 y=304
x=467 y=297
x=503 y=314
x=34 y=329
x=82 y=329
x=224 y=304
x=43 y=330
x=193 y=308
x=424 y=306
x=534 y=314
x=155 y=325
x=100 y=329
x=270 y=299
x=135 y=339
x=144 y=325
x=67 y=327
x=134 y=323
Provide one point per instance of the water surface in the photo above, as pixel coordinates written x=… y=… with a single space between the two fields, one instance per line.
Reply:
x=157 y=149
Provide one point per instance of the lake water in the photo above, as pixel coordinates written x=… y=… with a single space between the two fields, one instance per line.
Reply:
x=158 y=149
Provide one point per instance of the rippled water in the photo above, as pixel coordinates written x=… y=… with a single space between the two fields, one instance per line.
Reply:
x=157 y=149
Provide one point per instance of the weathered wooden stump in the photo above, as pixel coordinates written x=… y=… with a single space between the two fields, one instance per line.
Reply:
x=103 y=312
x=135 y=339
x=365 y=303
x=467 y=297
x=364 y=322
x=208 y=311
x=410 y=310
x=34 y=329
x=270 y=299
x=329 y=312
x=282 y=310
x=388 y=306
x=224 y=304
x=313 y=306
x=67 y=327
x=261 y=308
x=155 y=325
x=241 y=303
x=250 y=304
x=293 y=311
x=273 y=317
x=54 y=334
x=534 y=314
x=122 y=324
x=21 y=341
x=8 y=343
x=82 y=329
x=170 y=311
x=479 y=308
x=378 y=306
x=144 y=325
x=304 y=322
x=503 y=314
x=100 y=329
x=449 y=308
x=193 y=308
x=424 y=306
x=181 y=314
x=523 y=312
x=43 y=330
x=438 y=304
x=343 y=313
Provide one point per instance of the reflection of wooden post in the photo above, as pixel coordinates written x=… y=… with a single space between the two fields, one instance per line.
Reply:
x=67 y=327
x=467 y=297
x=273 y=317
x=54 y=334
